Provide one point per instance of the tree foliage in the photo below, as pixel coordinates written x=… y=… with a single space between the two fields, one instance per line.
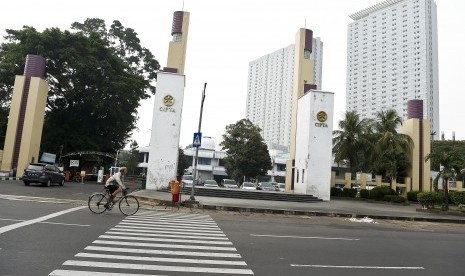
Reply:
x=247 y=153
x=391 y=148
x=96 y=76
x=351 y=143
x=373 y=145
x=451 y=163
x=133 y=158
x=183 y=162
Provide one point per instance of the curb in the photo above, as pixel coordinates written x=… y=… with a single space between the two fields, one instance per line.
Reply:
x=9 y=178
x=297 y=212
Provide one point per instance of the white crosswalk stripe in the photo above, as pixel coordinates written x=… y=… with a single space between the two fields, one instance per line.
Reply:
x=161 y=243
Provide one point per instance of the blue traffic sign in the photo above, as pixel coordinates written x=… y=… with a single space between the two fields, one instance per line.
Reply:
x=197 y=139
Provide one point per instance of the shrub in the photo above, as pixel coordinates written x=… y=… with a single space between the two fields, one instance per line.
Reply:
x=347 y=192
x=378 y=193
x=394 y=198
x=336 y=192
x=412 y=196
x=429 y=199
x=364 y=193
x=457 y=198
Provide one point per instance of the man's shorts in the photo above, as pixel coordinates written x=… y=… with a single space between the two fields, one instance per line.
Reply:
x=112 y=187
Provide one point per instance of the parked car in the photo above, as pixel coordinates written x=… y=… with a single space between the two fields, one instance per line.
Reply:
x=248 y=186
x=43 y=173
x=187 y=181
x=282 y=187
x=229 y=183
x=211 y=184
x=266 y=186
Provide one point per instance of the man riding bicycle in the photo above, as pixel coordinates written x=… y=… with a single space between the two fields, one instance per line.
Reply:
x=115 y=184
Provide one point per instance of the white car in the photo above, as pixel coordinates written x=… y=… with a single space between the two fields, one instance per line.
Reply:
x=229 y=183
x=282 y=187
x=248 y=186
x=187 y=181
x=211 y=184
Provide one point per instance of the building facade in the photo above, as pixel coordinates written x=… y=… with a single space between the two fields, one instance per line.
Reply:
x=269 y=91
x=392 y=57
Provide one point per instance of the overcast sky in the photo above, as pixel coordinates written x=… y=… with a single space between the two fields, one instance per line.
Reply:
x=224 y=36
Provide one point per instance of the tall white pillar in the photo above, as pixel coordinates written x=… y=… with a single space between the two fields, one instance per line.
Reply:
x=314 y=135
x=166 y=127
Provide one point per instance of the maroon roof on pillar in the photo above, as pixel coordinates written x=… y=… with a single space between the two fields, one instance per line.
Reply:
x=415 y=109
x=308 y=40
x=35 y=66
x=176 y=28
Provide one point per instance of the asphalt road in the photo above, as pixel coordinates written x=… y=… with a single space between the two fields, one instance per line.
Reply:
x=40 y=237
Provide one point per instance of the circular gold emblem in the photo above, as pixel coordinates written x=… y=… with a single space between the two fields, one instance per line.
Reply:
x=168 y=100
x=322 y=116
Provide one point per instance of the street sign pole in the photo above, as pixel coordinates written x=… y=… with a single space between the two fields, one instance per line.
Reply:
x=196 y=160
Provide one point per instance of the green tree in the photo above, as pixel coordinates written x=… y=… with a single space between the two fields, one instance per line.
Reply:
x=247 y=153
x=183 y=162
x=351 y=143
x=133 y=158
x=450 y=162
x=392 y=148
x=96 y=75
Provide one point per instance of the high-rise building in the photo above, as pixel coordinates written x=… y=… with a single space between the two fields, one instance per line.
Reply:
x=269 y=92
x=392 y=57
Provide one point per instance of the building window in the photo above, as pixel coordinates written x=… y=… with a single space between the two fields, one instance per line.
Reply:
x=204 y=161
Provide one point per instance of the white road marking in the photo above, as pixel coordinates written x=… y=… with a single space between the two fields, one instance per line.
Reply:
x=170 y=235
x=156 y=259
x=67 y=224
x=59 y=223
x=93 y=273
x=171 y=227
x=362 y=267
x=39 y=199
x=190 y=216
x=303 y=237
x=189 y=226
x=162 y=252
x=32 y=221
x=167 y=231
x=160 y=267
x=178 y=240
x=171 y=221
x=166 y=245
x=12 y=219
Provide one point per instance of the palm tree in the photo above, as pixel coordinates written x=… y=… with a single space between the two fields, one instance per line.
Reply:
x=450 y=162
x=351 y=143
x=391 y=147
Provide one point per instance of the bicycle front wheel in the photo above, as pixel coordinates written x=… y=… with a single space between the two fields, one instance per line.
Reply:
x=97 y=203
x=129 y=205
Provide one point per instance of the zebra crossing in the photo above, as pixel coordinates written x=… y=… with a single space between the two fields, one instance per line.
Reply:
x=161 y=243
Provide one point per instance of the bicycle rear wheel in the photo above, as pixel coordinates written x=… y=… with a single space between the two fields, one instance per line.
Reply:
x=97 y=203
x=129 y=205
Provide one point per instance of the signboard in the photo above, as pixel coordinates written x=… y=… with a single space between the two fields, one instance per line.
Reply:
x=74 y=163
x=197 y=139
x=48 y=158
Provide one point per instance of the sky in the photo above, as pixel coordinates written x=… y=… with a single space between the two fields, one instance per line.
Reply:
x=224 y=36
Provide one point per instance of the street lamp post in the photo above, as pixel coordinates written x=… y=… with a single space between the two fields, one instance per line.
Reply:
x=116 y=159
x=196 y=160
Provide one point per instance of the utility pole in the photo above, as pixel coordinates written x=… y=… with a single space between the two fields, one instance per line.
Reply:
x=196 y=160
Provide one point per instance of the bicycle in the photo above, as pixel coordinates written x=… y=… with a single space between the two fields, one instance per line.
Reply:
x=100 y=202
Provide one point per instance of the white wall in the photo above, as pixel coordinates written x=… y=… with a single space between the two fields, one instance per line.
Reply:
x=314 y=144
x=166 y=125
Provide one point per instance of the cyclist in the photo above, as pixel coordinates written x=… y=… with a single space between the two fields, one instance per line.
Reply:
x=115 y=184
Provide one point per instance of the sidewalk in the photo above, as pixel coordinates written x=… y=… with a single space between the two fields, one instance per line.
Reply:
x=333 y=208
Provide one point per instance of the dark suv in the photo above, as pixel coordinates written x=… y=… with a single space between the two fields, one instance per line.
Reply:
x=43 y=173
